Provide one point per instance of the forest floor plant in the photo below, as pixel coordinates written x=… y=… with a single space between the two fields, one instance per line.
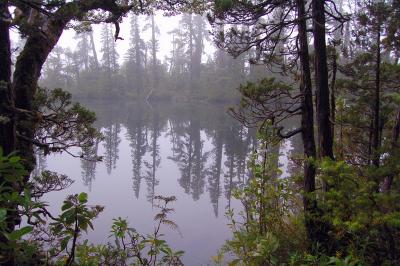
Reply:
x=270 y=229
x=44 y=239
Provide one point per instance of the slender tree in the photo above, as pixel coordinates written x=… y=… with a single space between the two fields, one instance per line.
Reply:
x=83 y=48
x=93 y=47
x=154 y=47
x=307 y=124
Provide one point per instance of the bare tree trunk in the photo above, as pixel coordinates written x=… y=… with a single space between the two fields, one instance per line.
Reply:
x=370 y=137
x=314 y=228
x=154 y=52
x=191 y=48
x=7 y=124
x=325 y=140
x=332 y=91
x=375 y=140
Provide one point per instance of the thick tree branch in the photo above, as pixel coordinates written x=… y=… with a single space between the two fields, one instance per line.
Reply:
x=288 y=134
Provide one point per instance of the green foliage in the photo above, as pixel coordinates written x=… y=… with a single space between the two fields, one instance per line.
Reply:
x=12 y=173
x=64 y=248
x=46 y=182
x=263 y=90
x=131 y=246
x=76 y=217
x=265 y=104
x=355 y=108
x=63 y=124
x=322 y=260
x=11 y=169
x=223 y=5
x=15 y=205
x=267 y=230
x=365 y=221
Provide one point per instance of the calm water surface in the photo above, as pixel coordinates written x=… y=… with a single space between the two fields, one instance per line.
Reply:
x=194 y=152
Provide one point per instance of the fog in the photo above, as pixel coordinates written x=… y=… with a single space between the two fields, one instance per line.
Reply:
x=166 y=24
x=154 y=58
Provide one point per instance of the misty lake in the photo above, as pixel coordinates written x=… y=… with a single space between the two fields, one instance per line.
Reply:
x=197 y=153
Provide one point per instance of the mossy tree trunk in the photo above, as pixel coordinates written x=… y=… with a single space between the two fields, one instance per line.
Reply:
x=7 y=124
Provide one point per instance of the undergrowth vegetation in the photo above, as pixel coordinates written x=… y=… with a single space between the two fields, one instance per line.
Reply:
x=270 y=229
x=44 y=239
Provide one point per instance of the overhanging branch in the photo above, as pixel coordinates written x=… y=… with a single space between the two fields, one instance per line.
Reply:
x=288 y=134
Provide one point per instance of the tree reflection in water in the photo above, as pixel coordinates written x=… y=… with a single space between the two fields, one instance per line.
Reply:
x=195 y=152
x=137 y=135
x=217 y=169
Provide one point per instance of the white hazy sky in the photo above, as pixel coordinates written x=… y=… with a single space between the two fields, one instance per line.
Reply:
x=164 y=23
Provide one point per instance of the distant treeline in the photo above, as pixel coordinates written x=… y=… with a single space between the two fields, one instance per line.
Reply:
x=184 y=75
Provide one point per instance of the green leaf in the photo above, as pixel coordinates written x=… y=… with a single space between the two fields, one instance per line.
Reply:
x=179 y=253
x=14 y=159
x=64 y=242
x=17 y=234
x=68 y=216
x=141 y=245
x=90 y=224
x=83 y=197
x=3 y=215
x=66 y=205
x=166 y=249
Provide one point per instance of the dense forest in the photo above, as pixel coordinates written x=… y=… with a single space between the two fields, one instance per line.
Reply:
x=332 y=65
x=187 y=73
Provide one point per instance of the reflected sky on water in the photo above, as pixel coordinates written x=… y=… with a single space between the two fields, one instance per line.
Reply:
x=195 y=152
